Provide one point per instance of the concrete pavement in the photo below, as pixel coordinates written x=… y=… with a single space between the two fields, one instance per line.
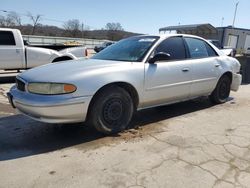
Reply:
x=191 y=144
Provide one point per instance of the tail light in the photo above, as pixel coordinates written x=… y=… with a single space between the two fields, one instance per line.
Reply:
x=85 y=52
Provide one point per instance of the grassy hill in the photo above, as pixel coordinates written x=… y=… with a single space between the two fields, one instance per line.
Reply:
x=47 y=30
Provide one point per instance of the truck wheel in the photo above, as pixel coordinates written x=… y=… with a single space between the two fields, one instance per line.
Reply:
x=111 y=110
x=222 y=90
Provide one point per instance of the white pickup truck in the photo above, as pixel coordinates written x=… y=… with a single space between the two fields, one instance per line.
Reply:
x=14 y=55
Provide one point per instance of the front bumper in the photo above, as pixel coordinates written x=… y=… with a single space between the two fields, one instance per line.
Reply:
x=50 y=109
x=236 y=82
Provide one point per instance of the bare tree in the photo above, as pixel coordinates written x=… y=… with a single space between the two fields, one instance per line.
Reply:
x=113 y=30
x=114 y=27
x=2 y=21
x=35 y=20
x=11 y=20
x=72 y=27
x=85 y=28
x=14 y=19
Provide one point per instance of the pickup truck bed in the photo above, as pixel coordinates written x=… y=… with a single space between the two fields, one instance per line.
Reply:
x=55 y=47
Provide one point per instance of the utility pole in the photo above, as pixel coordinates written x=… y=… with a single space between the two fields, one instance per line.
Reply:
x=235 y=12
x=82 y=29
x=222 y=21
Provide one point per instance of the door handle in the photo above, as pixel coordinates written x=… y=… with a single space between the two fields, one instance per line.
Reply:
x=217 y=65
x=185 y=70
x=17 y=51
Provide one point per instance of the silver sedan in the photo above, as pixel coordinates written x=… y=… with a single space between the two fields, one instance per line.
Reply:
x=133 y=74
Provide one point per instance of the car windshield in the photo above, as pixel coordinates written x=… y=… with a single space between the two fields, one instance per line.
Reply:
x=131 y=49
x=104 y=44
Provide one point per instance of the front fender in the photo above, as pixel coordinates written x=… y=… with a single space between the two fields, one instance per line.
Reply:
x=73 y=57
x=90 y=82
x=39 y=56
x=58 y=55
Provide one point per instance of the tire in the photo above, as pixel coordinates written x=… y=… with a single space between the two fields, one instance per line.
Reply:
x=222 y=90
x=111 y=110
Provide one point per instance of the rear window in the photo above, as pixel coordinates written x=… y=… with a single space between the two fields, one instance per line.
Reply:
x=7 y=38
x=197 y=48
x=211 y=52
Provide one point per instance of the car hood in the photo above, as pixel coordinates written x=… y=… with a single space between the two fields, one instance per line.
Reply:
x=67 y=70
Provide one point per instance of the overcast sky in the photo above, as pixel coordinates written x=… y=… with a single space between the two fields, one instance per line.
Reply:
x=142 y=16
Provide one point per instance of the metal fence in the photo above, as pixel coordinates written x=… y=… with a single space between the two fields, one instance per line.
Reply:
x=46 y=40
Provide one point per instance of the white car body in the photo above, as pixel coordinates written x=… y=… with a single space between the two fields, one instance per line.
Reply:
x=149 y=84
x=247 y=52
x=228 y=52
x=18 y=56
x=74 y=52
x=226 y=49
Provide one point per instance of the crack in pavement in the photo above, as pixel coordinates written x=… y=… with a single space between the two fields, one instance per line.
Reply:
x=188 y=151
x=233 y=168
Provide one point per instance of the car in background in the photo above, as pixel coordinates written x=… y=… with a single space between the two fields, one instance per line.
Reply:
x=102 y=46
x=226 y=49
x=133 y=74
x=247 y=52
x=216 y=43
x=16 y=53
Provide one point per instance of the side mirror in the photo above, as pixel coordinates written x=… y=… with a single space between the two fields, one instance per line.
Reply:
x=161 y=56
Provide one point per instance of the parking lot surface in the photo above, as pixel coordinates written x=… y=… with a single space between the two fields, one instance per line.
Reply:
x=190 y=144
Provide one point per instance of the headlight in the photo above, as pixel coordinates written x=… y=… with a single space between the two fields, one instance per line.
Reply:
x=51 y=88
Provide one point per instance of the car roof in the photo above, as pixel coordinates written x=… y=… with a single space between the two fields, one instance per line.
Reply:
x=164 y=36
x=7 y=29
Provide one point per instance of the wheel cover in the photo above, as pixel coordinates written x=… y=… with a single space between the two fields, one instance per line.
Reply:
x=113 y=112
x=224 y=90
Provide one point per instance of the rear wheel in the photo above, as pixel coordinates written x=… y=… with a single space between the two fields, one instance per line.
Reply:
x=222 y=90
x=111 y=110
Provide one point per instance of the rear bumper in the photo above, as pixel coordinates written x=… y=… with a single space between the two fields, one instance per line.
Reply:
x=50 y=109
x=236 y=82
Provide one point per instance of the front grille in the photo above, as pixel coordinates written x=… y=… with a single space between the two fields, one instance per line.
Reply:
x=20 y=85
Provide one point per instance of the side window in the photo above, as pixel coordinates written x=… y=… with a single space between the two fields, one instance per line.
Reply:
x=197 y=48
x=174 y=46
x=7 y=38
x=211 y=52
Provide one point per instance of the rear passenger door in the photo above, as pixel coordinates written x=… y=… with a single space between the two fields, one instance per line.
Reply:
x=205 y=65
x=169 y=80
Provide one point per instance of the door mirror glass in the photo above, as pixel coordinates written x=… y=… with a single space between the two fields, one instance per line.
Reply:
x=161 y=56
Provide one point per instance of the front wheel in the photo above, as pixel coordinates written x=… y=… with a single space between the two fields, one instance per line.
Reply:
x=222 y=91
x=111 y=110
